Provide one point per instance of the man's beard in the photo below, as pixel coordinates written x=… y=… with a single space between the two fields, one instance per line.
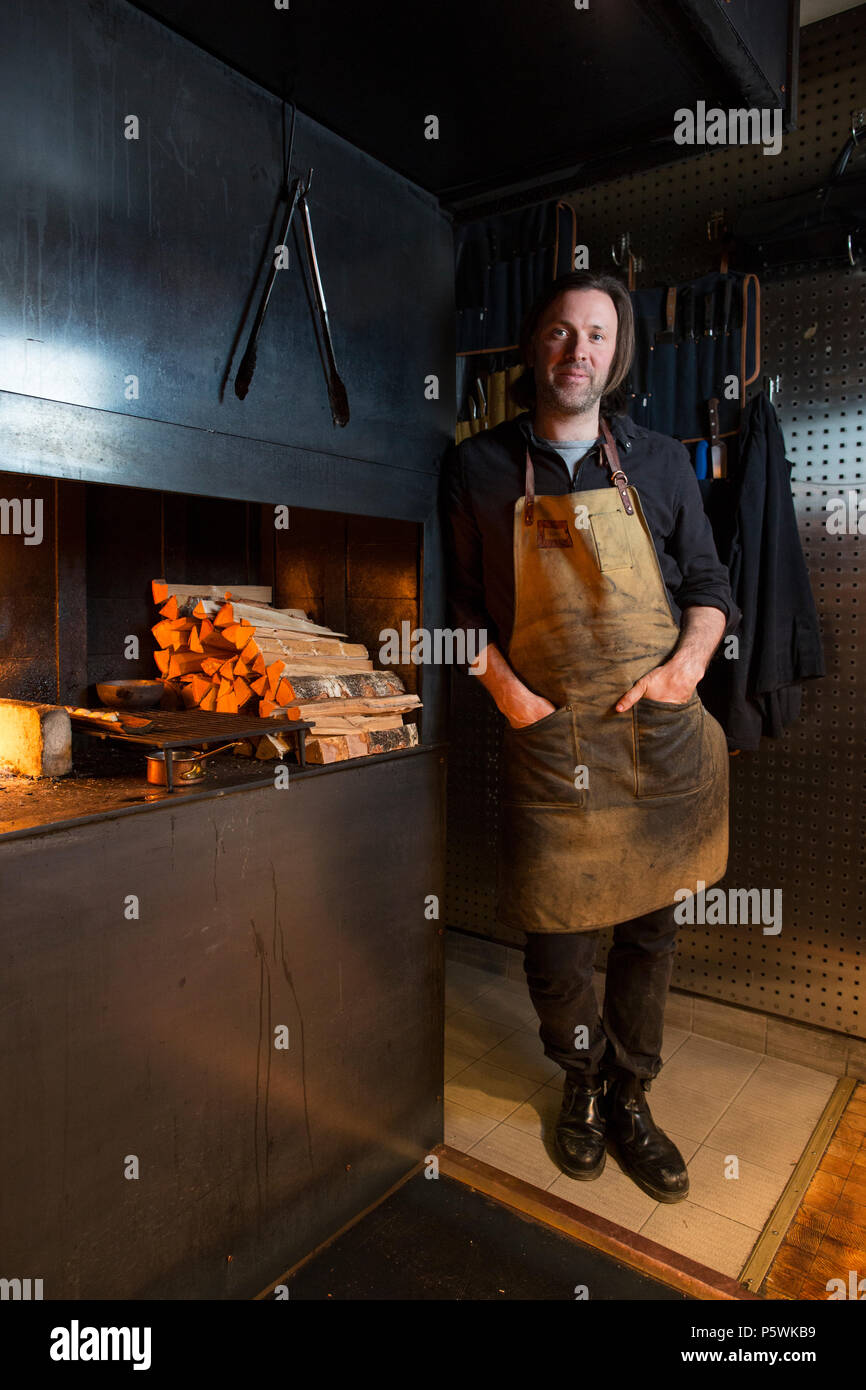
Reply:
x=571 y=397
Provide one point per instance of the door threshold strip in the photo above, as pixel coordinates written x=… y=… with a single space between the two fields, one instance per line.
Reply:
x=755 y=1269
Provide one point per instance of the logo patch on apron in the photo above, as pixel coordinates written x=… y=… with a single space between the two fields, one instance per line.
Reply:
x=553 y=533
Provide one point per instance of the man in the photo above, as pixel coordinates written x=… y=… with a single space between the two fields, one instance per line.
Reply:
x=601 y=600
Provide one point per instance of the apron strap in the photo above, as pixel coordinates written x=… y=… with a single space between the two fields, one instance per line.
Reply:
x=617 y=476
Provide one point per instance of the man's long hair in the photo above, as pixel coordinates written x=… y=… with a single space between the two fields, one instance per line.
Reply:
x=614 y=398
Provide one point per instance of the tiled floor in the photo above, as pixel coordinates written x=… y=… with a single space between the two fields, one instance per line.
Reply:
x=739 y=1118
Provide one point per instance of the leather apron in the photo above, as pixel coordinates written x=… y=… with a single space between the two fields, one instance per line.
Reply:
x=605 y=815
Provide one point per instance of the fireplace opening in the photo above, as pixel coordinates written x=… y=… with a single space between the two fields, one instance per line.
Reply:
x=77 y=610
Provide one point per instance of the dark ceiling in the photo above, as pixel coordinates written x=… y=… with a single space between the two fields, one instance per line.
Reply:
x=532 y=96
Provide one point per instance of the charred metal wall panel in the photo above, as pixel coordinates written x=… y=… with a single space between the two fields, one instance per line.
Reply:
x=136 y=258
x=797 y=812
x=154 y=1035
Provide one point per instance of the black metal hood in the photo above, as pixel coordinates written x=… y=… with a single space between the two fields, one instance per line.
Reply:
x=529 y=99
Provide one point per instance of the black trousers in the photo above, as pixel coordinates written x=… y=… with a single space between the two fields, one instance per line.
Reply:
x=628 y=1036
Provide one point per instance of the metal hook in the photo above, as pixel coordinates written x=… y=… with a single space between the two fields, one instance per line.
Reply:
x=624 y=247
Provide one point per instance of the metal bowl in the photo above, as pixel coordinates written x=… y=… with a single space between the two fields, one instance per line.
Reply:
x=130 y=694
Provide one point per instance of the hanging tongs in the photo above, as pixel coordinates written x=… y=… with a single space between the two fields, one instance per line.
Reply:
x=248 y=361
x=337 y=397
x=296 y=196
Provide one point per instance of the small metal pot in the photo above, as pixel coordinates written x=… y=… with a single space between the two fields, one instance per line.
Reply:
x=185 y=766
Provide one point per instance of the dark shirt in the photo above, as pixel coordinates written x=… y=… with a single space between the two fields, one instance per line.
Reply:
x=483 y=477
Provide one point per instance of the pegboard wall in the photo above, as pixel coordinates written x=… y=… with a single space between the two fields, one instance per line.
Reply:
x=798 y=811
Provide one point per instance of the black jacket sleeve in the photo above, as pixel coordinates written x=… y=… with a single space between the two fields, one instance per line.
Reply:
x=705 y=580
x=463 y=558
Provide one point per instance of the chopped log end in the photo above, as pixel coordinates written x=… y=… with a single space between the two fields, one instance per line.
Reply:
x=200 y=686
x=335 y=748
x=274 y=672
x=179 y=663
x=242 y=691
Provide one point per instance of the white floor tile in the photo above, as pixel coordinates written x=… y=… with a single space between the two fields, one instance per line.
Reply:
x=468 y=1032
x=489 y=1090
x=713 y=1240
x=463 y=1127
x=522 y=1155
x=748 y=1198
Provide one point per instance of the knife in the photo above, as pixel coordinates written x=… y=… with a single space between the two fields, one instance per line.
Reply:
x=688 y=298
x=709 y=315
x=718 y=449
x=669 y=333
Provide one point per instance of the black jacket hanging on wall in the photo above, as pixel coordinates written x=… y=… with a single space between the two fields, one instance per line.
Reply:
x=779 y=637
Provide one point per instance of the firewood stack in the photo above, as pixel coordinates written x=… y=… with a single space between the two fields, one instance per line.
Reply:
x=220 y=651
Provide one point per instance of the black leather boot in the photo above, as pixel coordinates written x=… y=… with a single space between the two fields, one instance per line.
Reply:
x=579 y=1140
x=649 y=1157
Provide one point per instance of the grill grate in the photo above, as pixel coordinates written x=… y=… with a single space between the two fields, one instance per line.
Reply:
x=191 y=728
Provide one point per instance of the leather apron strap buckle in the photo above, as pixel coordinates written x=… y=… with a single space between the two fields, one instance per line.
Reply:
x=617 y=476
x=620 y=482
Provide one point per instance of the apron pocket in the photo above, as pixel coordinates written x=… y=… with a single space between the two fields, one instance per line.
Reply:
x=540 y=762
x=611 y=541
x=672 y=753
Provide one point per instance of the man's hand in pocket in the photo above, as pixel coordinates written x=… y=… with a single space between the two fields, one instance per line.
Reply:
x=527 y=710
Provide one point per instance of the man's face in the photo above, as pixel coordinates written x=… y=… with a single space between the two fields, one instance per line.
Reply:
x=572 y=350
